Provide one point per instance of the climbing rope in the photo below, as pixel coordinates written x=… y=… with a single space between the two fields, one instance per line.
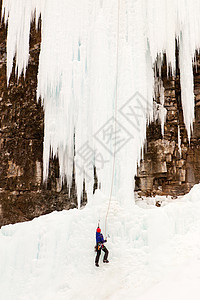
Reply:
x=115 y=117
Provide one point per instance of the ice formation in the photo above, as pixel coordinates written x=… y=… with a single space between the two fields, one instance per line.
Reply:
x=88 y=47
x=179 y=141
x=52 y=257
x=159 y=111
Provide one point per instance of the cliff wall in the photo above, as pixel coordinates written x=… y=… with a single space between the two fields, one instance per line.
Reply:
x=165 y=169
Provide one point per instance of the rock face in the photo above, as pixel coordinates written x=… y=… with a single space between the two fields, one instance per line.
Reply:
x=171 y=165
x=167 y=168
x=22 y=193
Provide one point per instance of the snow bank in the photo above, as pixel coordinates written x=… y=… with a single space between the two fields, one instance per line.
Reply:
x=151 y=251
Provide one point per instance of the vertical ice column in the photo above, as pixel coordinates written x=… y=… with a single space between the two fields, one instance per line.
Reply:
x=77 y=76
x=19 y=15
x=186 y=79
x=179 y=141
x=160 y=111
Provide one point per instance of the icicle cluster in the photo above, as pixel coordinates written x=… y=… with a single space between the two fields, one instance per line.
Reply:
x=77 y=77
x=160 y=112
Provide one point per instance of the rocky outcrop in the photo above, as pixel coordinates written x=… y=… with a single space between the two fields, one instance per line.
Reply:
x=23 y=195
x=171 y=165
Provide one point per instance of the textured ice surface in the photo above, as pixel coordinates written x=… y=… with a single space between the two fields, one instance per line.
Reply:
x=78 y=71
x=153 y=253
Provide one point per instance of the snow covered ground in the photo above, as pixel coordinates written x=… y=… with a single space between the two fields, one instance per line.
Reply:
x=154 y=253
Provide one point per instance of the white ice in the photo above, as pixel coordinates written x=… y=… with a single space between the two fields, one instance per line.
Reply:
x=84 y=43
x=154 y=253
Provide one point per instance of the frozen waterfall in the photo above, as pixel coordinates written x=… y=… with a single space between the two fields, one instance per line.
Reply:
x=96 y=77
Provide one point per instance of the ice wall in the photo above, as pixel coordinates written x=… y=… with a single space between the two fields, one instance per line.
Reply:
x=96 y=77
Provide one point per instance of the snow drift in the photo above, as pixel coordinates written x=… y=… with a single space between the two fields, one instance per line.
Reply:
x=151 y=250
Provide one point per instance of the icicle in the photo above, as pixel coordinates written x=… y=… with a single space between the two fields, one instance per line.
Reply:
x=77 y=78
x=160 y=111
x=179 y=141
x=186 y=79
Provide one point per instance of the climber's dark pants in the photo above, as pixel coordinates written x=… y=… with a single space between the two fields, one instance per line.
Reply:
x=99 y=253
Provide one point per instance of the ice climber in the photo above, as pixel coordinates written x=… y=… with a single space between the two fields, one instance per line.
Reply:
x=100 y=246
